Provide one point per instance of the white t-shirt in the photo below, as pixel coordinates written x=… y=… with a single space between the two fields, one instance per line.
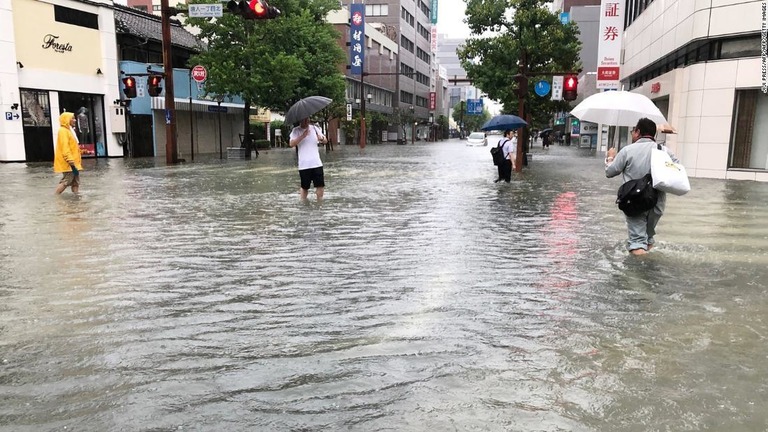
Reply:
x=510 y=146
x=309 y=155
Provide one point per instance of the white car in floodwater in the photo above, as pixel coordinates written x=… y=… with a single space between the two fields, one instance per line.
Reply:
x=477 y=139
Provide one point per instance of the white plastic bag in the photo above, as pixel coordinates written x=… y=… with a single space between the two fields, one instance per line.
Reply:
x=668 y=176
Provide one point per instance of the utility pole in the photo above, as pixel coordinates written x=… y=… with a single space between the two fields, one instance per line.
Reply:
x=362 y=104
x=171 y=154
x=522 y=92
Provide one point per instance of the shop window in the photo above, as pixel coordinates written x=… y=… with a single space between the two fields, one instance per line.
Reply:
x=36 y=120
x=89 y=113
x=75 y=17
x=749 y=136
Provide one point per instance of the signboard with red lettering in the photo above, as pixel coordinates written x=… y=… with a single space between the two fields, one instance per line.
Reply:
x=609 y=44
x=432 y=100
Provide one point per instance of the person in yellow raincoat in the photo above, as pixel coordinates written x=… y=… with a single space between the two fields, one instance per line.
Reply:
x=67 y=159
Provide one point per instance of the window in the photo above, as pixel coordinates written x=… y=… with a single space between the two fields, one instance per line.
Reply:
x=141 y=8
x=749 y=135
x=157 y=8
x=406 y=43
x=376 y=10
x=406 y=97
x=75 y=17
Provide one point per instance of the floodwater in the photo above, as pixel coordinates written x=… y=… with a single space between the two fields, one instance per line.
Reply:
x=418 y=296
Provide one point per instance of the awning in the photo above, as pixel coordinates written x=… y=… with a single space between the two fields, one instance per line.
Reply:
x=198 y=105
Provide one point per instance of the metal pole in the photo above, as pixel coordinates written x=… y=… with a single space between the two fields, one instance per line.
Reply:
x=191 y=128
x=221 y=148
x=171 y=156
x=362 y=105
x=521 y=94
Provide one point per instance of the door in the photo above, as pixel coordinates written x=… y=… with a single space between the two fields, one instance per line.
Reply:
x=36 y=117
x=142 y=140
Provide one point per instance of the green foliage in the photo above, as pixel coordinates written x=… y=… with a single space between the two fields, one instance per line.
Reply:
x=493 y=62
x=443 y=126
x=472 y=122
x=376 y=124
x=273 y=63
x=261 y=143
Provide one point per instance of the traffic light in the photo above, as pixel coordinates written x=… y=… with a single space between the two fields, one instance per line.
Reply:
x=129 y=87
x=153 y=85
x=253 y=9
x=570 y=87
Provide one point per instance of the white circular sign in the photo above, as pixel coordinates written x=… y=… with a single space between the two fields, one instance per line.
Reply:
x=199 y=73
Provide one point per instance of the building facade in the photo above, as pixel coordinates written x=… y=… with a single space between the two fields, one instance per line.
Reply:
x=65 y=61
x=700 y=63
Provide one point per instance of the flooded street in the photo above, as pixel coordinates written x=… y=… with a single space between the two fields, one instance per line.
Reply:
x=418 y=296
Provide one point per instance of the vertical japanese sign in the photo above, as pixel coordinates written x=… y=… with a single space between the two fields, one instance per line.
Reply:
x=609 y=44
x=433 y=39
x=433 y=12
x=432 y=100
x=356 y=38
x=557 y=87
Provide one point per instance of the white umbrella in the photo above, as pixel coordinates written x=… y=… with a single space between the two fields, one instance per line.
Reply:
x=617 y=108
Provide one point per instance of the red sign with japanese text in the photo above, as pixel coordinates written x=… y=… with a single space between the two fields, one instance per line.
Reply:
x=432 y=100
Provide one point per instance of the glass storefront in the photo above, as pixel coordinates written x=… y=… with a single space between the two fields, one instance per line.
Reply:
x=89 y=113
x=36 y=118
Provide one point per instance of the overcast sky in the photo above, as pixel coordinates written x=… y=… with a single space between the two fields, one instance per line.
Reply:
x=450 y=17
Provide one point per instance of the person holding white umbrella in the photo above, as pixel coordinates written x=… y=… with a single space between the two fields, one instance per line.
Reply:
x=634 y=162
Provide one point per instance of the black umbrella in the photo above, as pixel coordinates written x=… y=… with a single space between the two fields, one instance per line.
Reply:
x=306 y=108
x=504 y=122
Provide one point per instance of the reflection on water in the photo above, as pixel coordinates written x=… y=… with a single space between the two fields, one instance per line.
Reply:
x=419 y=295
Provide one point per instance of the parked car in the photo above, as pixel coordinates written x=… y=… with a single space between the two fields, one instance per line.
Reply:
x=477 y=139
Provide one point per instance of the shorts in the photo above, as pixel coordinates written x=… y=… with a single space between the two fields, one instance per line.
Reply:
x=70 y=179
x=312 y=175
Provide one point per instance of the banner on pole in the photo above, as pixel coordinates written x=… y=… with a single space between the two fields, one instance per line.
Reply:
x=356 y=38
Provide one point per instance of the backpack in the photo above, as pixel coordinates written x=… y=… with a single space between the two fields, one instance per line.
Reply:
x=497 y=153
x=637 y=196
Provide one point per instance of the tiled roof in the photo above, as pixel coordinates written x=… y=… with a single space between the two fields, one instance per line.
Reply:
x=137 y=23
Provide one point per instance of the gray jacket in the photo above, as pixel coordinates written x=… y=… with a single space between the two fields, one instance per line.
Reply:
x=634 y=161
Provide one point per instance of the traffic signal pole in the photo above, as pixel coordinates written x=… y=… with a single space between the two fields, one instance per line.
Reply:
x=171 y=154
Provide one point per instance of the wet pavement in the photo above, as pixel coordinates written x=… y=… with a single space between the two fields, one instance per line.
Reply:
x=419 y=295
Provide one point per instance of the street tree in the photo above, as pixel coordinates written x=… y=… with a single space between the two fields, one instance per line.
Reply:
x=504 y=31
x=272 y=63
x=472 y=122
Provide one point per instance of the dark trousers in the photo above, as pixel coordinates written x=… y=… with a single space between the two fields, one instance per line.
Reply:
x=505 y=171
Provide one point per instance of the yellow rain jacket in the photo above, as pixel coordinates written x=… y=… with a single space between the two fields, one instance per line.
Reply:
x=67 y=149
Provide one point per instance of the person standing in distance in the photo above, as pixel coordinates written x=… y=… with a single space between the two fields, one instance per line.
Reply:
x=67 y=159
x=306 y=137
x=634 y=162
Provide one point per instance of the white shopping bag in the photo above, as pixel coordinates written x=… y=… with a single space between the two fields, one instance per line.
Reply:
x=668 y=176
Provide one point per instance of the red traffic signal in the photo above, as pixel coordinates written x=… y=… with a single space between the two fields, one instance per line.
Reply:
x=153 y=85
x=129 y=87
x=570 y=87
x=253 y=9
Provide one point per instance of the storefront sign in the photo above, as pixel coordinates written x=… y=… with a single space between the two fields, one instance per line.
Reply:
x=356 y=38
x=433 y=39
x=433 y=12
x=349 y=112
x=609 y=44
x=432 y=100
x=50 y=41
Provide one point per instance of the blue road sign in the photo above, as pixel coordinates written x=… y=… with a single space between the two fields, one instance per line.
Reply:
x=8 y=115
x=565 y=17
x=474 y=106
x=542 y=88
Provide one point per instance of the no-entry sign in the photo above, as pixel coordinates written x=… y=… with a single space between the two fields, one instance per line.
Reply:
x=199 y=73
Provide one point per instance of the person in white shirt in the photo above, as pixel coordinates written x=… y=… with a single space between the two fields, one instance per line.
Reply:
x=306 y=138
x=508 y=143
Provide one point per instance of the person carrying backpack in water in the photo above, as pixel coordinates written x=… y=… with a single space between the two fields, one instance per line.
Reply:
x=508 y=145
